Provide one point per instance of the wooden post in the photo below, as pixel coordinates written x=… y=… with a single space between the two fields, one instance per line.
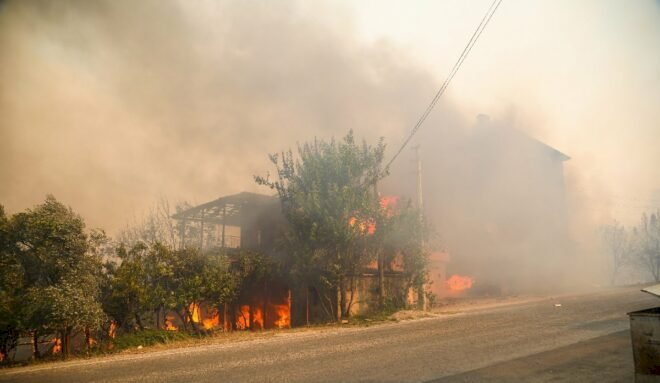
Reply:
x=421 y=298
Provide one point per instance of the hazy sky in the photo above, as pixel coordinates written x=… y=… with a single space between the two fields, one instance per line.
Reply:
x=584 y=76
x=112 y=105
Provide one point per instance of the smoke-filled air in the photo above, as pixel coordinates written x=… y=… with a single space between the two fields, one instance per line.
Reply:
x=547 y=133
x=330 y=190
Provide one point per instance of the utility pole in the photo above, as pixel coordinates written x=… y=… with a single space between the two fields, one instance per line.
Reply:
x=420 y=199
x=379 y=256
x=421 y=298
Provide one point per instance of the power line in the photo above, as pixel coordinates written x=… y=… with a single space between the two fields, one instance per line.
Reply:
x=475 y=36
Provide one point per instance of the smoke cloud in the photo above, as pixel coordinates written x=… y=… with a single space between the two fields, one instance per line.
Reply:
x=111 y=105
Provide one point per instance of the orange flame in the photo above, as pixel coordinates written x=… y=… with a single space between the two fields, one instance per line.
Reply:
x=213 y=321
x=258 y=317
x=371 y=227
x=112 y=331
x=57 y=346
x=284 y=313
x=243 y=318
x=459 y=283
x=368 y=227
x=169 y=323
x=194 y=312
x=388 y=204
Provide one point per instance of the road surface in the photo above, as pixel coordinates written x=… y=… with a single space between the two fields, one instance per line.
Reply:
x=584 y=339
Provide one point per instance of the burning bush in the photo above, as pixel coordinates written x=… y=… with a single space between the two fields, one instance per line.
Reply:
x=459 y=283
x=337 y=224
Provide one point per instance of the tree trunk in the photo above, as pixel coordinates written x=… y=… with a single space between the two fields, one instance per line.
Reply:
x=307 y=305
x=35 y=345
x=193 y=324
x=138 y=321
x=264 y=308
x=183 y=319
x=421 y=299
x=339 y=308
x=264 y=314
x=66 y=343
x=62 y=344
x=226 y=322
x=232 y=317
x=157 y=312
x=349 y=305
x=251 y=316
x=343 y=298
x=88 y=340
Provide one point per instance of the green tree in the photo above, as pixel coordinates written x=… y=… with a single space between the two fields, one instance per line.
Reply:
x=11 y=282
x=402 y=232
x=190 y=287
x=154 y=278
x=53 y=266
x=129 y=292
x=328 y=186
x=222 y=283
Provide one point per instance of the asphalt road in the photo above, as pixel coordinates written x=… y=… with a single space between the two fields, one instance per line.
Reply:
x=582 y=340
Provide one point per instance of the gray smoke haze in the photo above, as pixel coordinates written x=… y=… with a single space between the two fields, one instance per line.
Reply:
x=110 y=105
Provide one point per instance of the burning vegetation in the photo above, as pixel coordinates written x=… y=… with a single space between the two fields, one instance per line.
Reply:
x=459 y=283
x=57 y=346
x=195 y=280
x=326 y=247
x=258 y=316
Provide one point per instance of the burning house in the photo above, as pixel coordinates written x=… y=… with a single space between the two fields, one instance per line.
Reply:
x=228 y=225
x=496 y=196
x=252 y=222
x=501 y=215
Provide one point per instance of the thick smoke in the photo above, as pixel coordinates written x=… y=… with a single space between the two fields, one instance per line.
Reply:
x=110 y=105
